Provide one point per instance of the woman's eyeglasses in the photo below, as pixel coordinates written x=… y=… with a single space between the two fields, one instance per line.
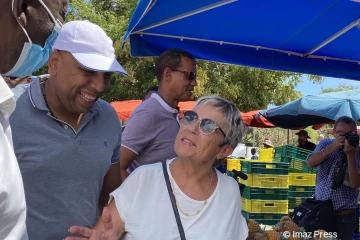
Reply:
x=191 y=75
x=207 y=126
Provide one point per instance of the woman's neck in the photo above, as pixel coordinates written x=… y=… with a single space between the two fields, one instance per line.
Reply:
x=191 y=170
x=194 y=180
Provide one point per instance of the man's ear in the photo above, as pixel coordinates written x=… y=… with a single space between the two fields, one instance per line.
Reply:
x=224 y=152
x=53 y=63
x=19 y=11
x=167 y=74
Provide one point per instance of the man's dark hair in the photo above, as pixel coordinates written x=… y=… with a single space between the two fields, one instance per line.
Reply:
x=170 y=58
x=347 y=120
x=253 y=149
x=151 y=89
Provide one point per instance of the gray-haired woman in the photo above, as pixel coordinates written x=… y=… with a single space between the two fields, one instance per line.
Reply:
x=207 y=201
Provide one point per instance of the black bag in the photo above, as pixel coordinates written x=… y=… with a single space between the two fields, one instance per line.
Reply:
x=314 y=214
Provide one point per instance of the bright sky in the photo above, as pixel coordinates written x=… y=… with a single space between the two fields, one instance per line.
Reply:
x=309 y=88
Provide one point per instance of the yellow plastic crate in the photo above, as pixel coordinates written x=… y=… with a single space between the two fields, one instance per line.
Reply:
x=266 y=154
x=233 y=164
x=266 y=181
x=265 y=206
x=302 y=179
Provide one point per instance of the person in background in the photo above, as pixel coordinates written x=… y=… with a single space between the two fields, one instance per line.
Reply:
x=16 y=27
x=303 y=142
x=326 y=157
x=75 y=164
x=19 y=85
x=253 y=153
x=208 y=202
x=152 y=128
x=320 y=137
x=147 y=94
x=267 y=143
x=15 y=81
x=150 y=91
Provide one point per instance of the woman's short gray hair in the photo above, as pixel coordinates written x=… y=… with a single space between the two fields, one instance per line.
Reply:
x=235 y=125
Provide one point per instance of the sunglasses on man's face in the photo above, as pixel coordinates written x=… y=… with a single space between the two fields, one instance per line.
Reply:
x=207 y=126
x=191 y=75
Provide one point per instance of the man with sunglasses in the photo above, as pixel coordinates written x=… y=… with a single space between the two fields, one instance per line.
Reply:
x=69 y=152
x=152 y=128
x=25 y=26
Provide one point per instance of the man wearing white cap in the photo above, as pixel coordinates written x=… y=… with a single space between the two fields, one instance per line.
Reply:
x=69 y=150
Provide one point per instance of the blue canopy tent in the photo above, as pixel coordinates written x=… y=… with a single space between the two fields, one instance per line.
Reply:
x=315 y=109
x=315 y=37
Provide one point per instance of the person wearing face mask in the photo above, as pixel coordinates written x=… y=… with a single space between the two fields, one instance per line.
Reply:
x=28 y=25
x=75 y=163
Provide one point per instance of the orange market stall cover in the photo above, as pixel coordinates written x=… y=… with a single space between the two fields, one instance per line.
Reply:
x=125 y=108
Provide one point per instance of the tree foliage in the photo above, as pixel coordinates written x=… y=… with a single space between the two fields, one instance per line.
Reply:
x=340 y=88
x=249 y=88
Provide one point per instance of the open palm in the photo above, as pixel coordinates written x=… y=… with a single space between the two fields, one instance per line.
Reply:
x=84 y=233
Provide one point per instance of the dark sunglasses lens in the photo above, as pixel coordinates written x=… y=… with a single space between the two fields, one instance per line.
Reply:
x=192 y=76
x=190 y=116
x=207 y=126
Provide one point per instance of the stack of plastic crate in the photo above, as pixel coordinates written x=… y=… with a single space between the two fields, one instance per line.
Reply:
x=265 y=198
x=301 y=177
x=266 y=154
x=233 y=163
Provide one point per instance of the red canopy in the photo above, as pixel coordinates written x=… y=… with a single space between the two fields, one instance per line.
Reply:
x=125 y=108
x=250 y=119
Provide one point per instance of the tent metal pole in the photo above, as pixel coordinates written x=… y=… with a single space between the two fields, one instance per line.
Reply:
x=184 y=15
x=333 y=37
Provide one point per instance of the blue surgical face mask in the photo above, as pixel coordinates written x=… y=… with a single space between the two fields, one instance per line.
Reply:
x=34 y=56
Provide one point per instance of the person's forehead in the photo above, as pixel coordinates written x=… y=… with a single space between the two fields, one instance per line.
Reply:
x=208 y=111
x=344 y=127
x=188 y=62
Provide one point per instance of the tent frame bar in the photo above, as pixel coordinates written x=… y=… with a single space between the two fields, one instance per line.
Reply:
x=185 y=15
x=333 y=37
x=289 y=53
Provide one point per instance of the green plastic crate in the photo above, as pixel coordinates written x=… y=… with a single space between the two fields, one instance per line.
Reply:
x=264 y=218
x=256 y=167
x=300 y=166
x=291 y=152
x=295 y=201
x=301 y=191
x=296 y=165
x=295 y=156
x=266 y=193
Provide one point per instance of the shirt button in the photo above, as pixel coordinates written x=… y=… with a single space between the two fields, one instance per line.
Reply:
x=66 y=126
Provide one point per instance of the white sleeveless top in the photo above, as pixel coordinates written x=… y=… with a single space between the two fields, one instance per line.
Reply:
x=144 y=205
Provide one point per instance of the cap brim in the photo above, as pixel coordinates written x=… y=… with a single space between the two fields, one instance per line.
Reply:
x=303 y=135
x=99 y=63
x=270 y=145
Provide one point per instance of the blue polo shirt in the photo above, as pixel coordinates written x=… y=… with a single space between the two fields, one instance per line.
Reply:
x=62 y=169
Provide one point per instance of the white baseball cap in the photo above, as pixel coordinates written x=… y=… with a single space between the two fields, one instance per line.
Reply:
x=89 y=45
